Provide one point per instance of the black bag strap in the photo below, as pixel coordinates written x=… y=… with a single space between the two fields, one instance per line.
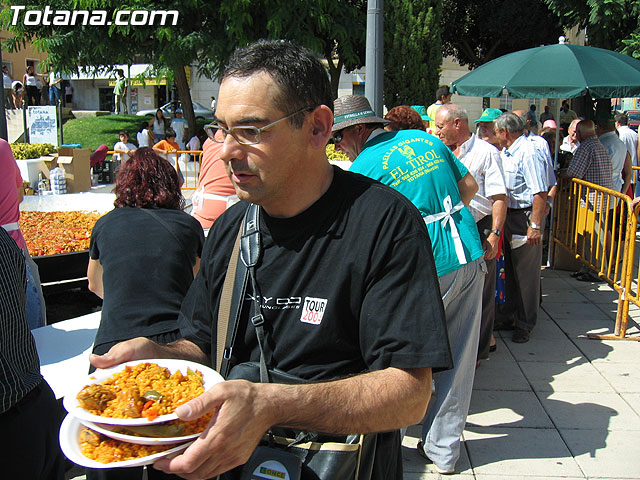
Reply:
x=177 y=238
x=250 y=252
x=250 y=246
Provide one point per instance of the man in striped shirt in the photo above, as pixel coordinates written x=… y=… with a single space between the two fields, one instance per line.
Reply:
x=525 y=177
x=29 y=419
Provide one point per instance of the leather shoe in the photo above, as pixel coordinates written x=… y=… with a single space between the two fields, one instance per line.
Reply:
x=520 y=335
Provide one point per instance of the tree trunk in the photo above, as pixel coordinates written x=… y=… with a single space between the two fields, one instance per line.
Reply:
x=184 y=95
x=334 y=74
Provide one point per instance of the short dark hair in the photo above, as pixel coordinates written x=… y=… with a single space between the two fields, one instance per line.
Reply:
x=532 y=107
x=443 y=91
x=147 y=180
x=622 y=118
x=124 y=132
x=169 y=132
x=303 y=80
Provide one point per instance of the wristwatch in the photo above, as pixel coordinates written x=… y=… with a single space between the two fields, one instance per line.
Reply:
x=534 y=225
x=496 y=231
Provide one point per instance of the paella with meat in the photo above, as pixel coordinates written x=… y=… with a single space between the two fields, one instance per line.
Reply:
x=145 y=390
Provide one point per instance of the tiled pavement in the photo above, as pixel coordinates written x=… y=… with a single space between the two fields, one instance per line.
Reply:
x=560 y=406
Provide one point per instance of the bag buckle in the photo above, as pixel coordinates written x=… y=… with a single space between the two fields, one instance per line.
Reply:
x=258 y=320
x=227 y=353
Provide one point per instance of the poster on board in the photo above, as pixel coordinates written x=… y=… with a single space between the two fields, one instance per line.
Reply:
x=42 y=125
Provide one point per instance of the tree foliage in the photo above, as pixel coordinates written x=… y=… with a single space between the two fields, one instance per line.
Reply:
x=83 y=47
x=476 y=32
x=334 y=29
x=610 y=24
x=205 y=35
x=412 y=51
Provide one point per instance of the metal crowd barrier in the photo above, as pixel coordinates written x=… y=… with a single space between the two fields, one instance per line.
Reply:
x=189 y=165
x=598 y=226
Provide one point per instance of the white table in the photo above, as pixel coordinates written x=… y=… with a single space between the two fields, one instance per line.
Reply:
x=64 y=349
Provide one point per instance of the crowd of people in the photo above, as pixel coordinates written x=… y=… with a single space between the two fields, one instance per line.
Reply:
x=396 y=259
x=35 y=89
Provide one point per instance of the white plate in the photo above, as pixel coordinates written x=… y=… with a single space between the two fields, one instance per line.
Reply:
x=70 y=402
x=69 y=433
x=107 y=430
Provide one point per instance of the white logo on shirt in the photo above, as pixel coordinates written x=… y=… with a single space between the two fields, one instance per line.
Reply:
x=313 y=310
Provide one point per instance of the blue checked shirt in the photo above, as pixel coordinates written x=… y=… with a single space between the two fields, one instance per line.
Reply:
x=525 y=172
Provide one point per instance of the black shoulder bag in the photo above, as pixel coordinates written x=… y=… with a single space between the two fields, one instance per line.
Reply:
x=302 y=455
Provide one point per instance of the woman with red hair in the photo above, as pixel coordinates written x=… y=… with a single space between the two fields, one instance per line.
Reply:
x=144 y=255
x=403 y=117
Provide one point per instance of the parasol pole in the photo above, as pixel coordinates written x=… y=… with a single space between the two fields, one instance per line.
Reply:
x=557 y=149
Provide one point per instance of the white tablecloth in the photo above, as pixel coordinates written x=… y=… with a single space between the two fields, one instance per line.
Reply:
x=64 y=349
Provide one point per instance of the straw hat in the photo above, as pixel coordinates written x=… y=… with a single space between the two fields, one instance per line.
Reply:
x=353 y=110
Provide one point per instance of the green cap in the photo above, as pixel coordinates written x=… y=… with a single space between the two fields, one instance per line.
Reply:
x=489 y=115
x=422 y=110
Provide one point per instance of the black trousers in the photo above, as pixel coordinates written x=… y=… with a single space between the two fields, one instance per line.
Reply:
x=33 y=96
x=29 y=448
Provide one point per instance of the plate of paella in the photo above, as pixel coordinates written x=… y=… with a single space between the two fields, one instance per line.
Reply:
x=174 y=431
x=91 y=449
x=142 y=392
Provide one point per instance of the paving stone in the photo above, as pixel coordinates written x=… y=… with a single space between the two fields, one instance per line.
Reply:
x=580 y=327
x=507 y=409
x=496 y=374
x=574 y=376
x=579 y=410
x=519 y=451
x=547 y=328
x=632 y=399
x=561 y=294
x=572 y=310
x=555 y=350
x=625 y=378
x=610 y=351
x=509 y=476
x=605 y=454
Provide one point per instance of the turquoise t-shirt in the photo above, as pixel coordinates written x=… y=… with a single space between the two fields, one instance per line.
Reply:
x=424 y=170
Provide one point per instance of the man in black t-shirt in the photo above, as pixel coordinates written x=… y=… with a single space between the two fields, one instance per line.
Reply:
x=347 y=281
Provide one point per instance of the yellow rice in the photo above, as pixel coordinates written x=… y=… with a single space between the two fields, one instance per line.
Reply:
x=176 y=389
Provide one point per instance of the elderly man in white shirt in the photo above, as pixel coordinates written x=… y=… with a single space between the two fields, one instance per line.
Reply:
x=570 y=143
x=630 y=138
x=620 y=157
x=525 y=177
x=488 y=206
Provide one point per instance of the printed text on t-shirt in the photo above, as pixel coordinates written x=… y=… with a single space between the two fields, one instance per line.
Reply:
x=313 y=310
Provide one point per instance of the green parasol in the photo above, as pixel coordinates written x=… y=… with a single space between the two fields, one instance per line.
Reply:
x=554 y=71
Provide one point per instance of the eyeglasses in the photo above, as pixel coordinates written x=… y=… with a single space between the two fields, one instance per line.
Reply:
x=338 y=136
x=244 y=134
